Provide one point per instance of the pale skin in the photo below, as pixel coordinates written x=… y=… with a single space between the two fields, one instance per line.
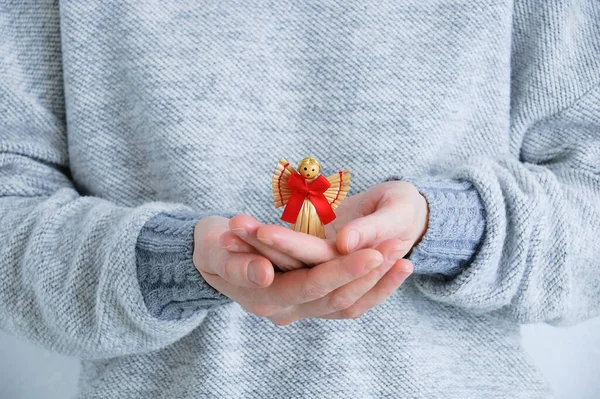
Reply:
x=350 y=274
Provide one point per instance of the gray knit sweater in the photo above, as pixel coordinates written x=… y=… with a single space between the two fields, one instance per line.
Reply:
x=122 y=123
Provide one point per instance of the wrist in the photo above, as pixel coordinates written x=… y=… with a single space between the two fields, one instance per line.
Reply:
x=423 y=218
x=420 y=206
x=206 y=234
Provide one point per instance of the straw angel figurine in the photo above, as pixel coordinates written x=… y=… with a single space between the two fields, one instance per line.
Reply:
x=309 y=198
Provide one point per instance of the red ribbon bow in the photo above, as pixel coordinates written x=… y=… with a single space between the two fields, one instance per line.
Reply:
x=302 y=189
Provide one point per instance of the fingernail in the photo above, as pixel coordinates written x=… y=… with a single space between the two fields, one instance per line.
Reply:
x=407 y=267
x=240 y=232
x=373 y=264
x=352 y=240
x=395 y=255
x=254 y=272
x=264 y=240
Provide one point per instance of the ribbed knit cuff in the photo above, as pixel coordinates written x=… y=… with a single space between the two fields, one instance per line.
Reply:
x=171 y=285
x=456 y=226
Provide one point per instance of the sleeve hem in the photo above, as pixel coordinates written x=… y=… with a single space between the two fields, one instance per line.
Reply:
x=170 y=284
x=456 y=226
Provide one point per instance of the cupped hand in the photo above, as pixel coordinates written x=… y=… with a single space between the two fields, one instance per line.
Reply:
x=292 y=250
x=391 y=217
x=391 y=210
x=339 y=288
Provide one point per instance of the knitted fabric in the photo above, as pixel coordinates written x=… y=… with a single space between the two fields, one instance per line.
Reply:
x=123 y=123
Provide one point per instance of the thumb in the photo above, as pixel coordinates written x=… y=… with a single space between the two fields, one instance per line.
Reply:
x=369 y=231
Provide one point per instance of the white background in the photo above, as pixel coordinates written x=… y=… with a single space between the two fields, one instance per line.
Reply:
x=568 y=357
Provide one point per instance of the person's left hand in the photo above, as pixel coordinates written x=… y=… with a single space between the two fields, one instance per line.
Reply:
x=390 y=210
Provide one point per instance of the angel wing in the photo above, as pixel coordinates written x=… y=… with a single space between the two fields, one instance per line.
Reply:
x=281 y=193
x=340 y=184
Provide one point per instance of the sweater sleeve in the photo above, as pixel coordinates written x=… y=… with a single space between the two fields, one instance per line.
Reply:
x=172 y=287
x=68 y=270
x=455 y=228
x=535 y=257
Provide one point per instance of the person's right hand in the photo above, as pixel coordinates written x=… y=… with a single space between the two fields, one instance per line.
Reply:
x=328 y=290
x=247 y=269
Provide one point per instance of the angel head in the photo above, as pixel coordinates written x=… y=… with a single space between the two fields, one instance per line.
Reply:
x=309 y=168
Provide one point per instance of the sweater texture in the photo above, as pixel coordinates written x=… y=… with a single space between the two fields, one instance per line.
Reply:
x=123 y=123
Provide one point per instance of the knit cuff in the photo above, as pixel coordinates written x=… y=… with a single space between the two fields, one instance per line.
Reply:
x=456 y=226
x=171 y=285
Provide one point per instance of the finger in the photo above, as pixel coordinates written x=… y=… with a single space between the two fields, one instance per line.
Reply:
x=369 y=231
x=254 y=300
x=306 y=285
x=230 y=241
x=233 y=243
x=243 y=270
x=234 y=292
x=345 y=296
x=303 y=247
x=221 y=285
x=385 y=287
x=245 y=227
x=392 y=250
x=338 y=300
